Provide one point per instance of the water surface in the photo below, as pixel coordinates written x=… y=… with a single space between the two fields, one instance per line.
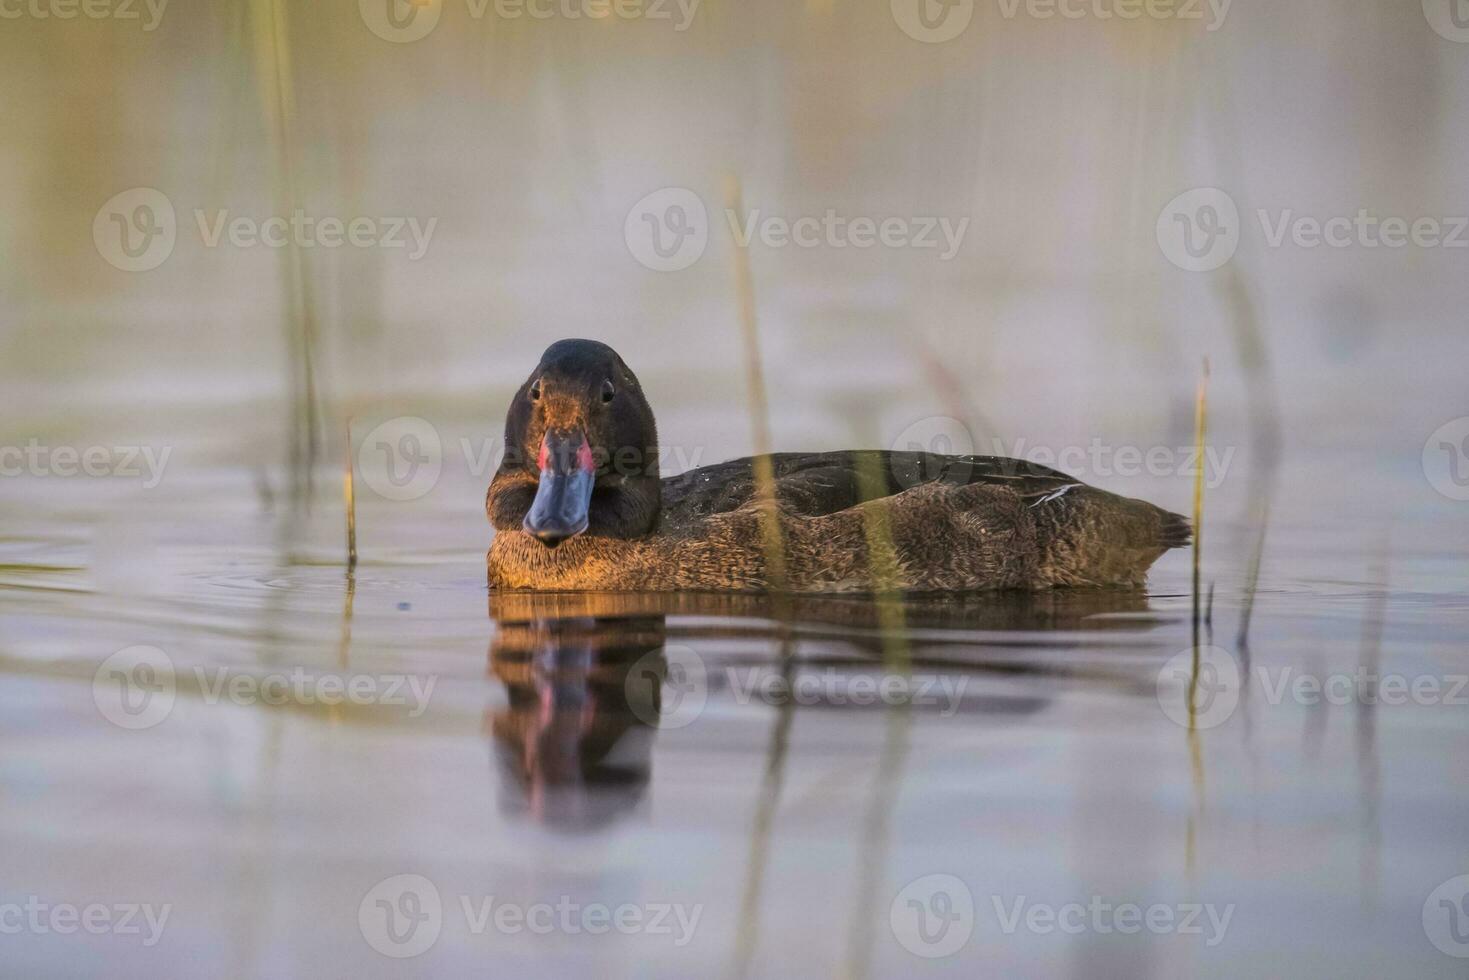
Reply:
x=731 y=760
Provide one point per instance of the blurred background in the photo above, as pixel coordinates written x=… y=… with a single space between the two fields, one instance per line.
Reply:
x=232 y=232
x=523 y=143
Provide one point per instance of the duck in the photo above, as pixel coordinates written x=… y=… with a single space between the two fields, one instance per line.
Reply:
x=578 y=504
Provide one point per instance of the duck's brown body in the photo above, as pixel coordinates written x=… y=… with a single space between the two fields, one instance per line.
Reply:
x=852 y=522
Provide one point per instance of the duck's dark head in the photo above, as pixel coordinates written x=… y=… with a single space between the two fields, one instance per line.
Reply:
x=580 y=450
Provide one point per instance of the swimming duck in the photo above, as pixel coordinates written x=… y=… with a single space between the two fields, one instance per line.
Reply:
x=578 y=505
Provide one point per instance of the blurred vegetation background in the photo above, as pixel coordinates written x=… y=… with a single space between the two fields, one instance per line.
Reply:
x=1059 y=321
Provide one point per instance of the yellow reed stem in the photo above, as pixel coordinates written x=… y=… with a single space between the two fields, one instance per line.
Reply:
x=349 y=492
x=764 y=469
x=1201 y=428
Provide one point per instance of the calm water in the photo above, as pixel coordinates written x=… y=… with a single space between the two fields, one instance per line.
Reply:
x=631 y=781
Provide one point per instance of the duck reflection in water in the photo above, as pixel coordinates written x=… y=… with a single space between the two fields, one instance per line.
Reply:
x=585 y=673
x=574 y=741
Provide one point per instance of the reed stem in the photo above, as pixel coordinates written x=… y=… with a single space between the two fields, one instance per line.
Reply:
x=1201 y=429
x=764 y=468
x=349 y=492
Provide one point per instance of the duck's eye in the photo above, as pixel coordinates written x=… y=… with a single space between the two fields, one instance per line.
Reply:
x=535 y=390
x=608 y=392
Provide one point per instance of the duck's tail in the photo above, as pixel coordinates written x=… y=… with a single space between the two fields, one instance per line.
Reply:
x=1177 y=532
x=1093 y=538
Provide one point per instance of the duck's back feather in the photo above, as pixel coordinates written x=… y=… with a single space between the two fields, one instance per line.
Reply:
x=818 y=484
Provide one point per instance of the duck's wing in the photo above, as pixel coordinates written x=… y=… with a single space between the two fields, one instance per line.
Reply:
x=817 y=484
